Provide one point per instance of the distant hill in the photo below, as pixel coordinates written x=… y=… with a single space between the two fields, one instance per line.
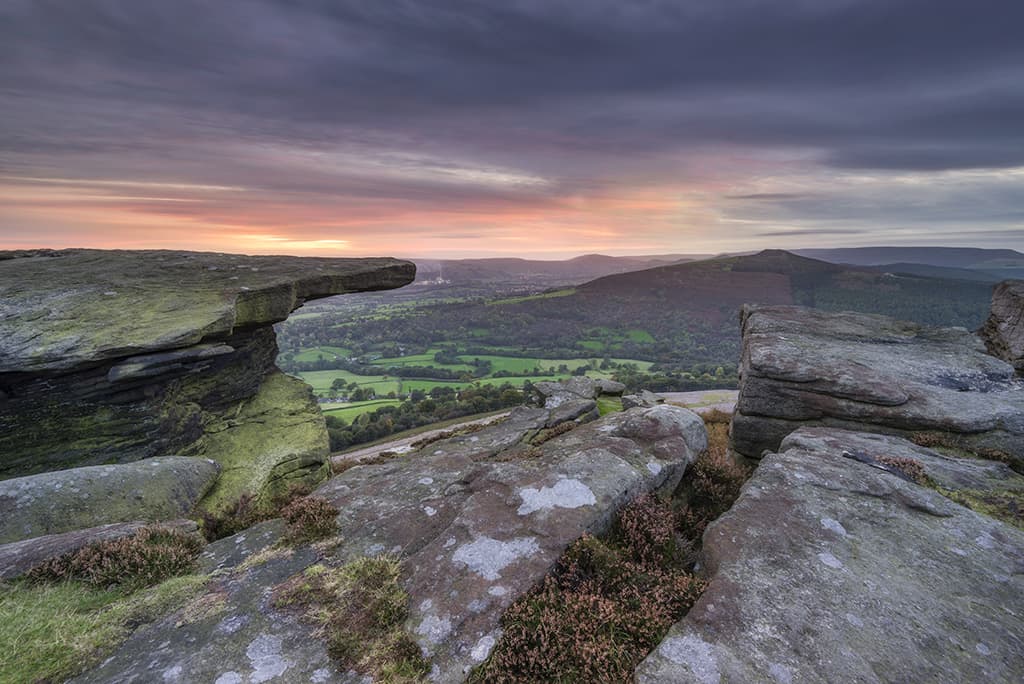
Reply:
x=950 y=257
x=511 y=270
x=690 y=309
x=680 y=315
x=948 y=273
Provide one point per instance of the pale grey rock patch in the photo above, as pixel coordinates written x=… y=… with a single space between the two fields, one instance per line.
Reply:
x=483 y=648
x=435 y=629
x=264 y=653
x=487 y=557
x=566 y=493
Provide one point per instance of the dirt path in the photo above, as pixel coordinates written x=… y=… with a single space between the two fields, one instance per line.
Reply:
x=405 y=443
x=704 y=400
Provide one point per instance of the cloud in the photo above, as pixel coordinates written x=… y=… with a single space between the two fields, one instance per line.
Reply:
x=413 y=111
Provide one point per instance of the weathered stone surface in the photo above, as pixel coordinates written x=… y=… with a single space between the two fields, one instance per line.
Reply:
x=829 y=570
x=68 y=308
x=19 y=557
x=116 y=356
x=863 y=372
x=230 y=635
x=151 y=490
x=945 y=471
x=478 y=519
x=1003 y=331
x=232 y=551
x=610 y=387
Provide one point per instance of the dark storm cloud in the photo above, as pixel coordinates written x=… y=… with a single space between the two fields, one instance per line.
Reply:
x=877 y=84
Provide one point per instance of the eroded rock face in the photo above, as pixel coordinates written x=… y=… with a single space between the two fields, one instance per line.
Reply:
x=116 y=356
x=478 y=520
x=864 y=372
x=830 y=570
x=1003 y=331
x=153 y=489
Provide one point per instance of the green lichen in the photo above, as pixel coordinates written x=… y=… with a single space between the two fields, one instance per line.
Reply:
x=277 y=440
x=1003 y=505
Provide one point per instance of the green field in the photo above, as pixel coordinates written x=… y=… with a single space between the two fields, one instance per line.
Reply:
x=423 y=360
x=321 y=381
x=527 y=298
x=513 y=364
x=349 y=412
x=427 y=385
x=309 y=355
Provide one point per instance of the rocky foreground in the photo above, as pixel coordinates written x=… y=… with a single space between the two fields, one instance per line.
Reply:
x=832 y=568
x=118 y=356
x=478 y=519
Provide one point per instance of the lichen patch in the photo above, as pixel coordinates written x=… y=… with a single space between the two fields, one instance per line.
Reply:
x=487 y=557
x=567 y=493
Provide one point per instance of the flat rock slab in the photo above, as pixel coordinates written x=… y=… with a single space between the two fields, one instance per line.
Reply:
x=1003 y=331
x=479 y=519
x=17 y=558
x=62 y=309
x=152 y=490
x=829 y=570
x=872 y=373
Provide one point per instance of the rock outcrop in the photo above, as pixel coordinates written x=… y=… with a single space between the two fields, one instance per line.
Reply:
x=864 y=372
x=1003 y=331
x=153 y=490
x=830 y=569
x=478 y=519
x=117 y=356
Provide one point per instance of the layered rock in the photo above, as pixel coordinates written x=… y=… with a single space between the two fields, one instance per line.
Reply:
x=830 y=568
x=477 y=518
x=864 y=372
x=1003 y=331
x=117 y=356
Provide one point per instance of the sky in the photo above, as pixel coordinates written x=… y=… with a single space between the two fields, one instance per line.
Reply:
x=536 y=128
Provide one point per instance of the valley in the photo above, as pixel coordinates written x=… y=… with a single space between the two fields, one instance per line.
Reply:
x=505 y=323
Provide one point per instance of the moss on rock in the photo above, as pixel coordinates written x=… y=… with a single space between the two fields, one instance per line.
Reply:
x=275 y=442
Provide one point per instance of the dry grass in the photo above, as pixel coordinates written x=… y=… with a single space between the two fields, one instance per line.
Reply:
x=552 y=432
x=359 y=609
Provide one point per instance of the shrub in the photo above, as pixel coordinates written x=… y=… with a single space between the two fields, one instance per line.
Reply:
x=360 y=608
x=149 y=556
x=309 y=519
x=646 y=531
x=711 y=485
x=602 y=609
x=908 y=467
